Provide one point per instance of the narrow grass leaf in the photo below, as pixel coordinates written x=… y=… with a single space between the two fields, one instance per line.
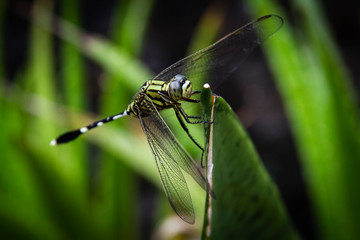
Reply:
x=320 y=102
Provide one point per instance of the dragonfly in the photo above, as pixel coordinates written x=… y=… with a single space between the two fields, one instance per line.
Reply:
x=174 y=86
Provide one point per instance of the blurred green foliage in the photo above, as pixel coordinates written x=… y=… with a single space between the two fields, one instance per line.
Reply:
x=55 y=193
x=321 y=106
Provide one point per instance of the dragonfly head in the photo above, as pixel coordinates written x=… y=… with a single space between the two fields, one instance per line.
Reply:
x=179 y=87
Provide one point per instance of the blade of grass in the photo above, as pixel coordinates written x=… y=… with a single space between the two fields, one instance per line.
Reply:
x=72 y=64
x=118 y=183
x=136 y=17
x=73 y=80
x=322 y=110
x=344 y=126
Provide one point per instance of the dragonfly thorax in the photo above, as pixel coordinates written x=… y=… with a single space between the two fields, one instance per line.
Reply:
x=179 y=87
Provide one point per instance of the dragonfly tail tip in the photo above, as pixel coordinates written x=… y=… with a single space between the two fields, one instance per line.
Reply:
x=53 y=142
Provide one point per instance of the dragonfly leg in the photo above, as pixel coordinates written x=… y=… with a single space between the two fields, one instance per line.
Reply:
x=183 y=125
x=195 y=92
x=187 y=117
x=190 y=100
x=167 y=99
x=179 y=110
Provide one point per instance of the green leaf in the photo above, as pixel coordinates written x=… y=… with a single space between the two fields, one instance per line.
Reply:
x=247 y=204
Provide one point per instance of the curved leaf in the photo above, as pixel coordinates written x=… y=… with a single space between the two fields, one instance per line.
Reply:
x=247 y=204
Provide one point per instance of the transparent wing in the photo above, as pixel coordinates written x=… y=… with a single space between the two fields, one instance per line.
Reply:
x=170 y=156
x=217 y=61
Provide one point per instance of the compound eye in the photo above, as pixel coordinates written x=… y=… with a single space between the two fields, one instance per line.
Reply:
x=175 y=90
x=180 y=78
